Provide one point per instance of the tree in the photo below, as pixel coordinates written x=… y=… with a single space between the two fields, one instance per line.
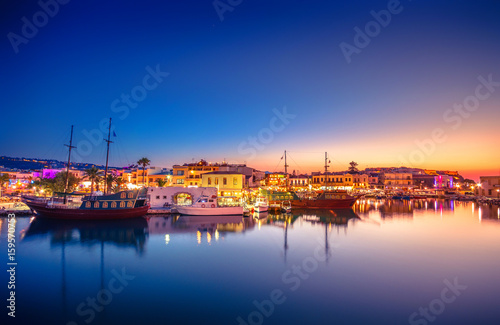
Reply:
x=353 y=167
x=144 y=162
x=98 y=180
x=4 y=178
x=120 y=182
x=110 y=179
x=58 y=183
x=92 y=174
x=161 y=182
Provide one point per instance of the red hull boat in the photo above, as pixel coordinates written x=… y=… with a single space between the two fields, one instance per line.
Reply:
x=122 y=205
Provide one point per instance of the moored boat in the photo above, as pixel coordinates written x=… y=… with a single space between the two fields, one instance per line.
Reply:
x=121 y=205
x=208 y=206
x=261 y=205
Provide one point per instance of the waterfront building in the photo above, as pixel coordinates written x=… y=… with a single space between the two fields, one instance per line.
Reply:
x=360 y=181
x=276 y=179
x=333 y=180
x=397 y=181
x=151 y=175
x=228 y=184
x=160 y=197
x=424 y=181
x=252 y=176
x=299 y=181
x=190 y=174
x=373 y=181
x=443 y=182
x=489 y=186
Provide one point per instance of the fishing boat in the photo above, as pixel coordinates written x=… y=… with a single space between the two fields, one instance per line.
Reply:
x=261 y=205
x=121 y=205
x=208 y=206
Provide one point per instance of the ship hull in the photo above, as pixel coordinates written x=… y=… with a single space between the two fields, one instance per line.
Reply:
x=43 y=211
x=323 y=204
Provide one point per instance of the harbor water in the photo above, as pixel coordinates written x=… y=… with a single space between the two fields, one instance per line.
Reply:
x=383 y=262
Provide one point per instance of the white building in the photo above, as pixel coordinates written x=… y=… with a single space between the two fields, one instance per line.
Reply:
x=163 y=196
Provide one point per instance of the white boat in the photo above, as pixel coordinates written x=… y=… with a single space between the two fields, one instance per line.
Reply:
x=261 y=205
x=208 y=206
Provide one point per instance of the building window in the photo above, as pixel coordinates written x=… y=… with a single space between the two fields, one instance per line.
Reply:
x=157 y=197
x=129 y=204
x=113 y=204
x=96 y=204
x=87 y=204
x=122 y=204
x=209 y=180
x=235 y=181
x=130 y=195
x=216 y=181
x=123 y=195
x=164 y=197
x=105 y=205
x=224 y=181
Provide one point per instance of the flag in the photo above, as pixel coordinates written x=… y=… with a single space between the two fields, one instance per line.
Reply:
x=114 y=134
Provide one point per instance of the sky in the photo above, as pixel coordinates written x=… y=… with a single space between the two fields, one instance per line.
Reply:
x=382 y=83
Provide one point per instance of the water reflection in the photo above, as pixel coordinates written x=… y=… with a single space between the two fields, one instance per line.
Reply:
x=128 y=233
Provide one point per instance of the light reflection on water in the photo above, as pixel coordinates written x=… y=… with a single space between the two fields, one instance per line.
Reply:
x=383 y=261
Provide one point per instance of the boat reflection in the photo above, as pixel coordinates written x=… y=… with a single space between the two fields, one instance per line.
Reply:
x=208 y=226
x=127 y=233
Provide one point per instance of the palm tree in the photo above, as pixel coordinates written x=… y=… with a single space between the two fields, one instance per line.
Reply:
x=119 y=184
x=92 y=174
x=161 y=182
x=110 y=179
x=144 y=162
x=98 y=181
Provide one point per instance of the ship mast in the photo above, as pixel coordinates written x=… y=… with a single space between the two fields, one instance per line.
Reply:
x=326 y=168
x=107 y=157
x=70 y=146
x=286 y=173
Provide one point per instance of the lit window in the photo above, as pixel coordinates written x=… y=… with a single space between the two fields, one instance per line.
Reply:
x=113 y=204
x=105 y=204
x=87 y=204
x=96 y=204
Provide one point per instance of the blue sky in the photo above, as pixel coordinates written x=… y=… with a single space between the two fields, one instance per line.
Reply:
x=226 y=77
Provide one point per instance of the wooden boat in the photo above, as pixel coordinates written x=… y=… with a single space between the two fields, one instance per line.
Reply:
x=326 y=199
x=121 y=205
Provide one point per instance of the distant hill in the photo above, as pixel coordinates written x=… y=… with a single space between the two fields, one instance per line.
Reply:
x=36 y=163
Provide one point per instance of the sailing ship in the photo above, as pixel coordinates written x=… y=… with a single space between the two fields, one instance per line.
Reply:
x=121 y=205
x=326 y=199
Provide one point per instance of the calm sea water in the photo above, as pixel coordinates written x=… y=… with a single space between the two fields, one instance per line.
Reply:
x=384 y=262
